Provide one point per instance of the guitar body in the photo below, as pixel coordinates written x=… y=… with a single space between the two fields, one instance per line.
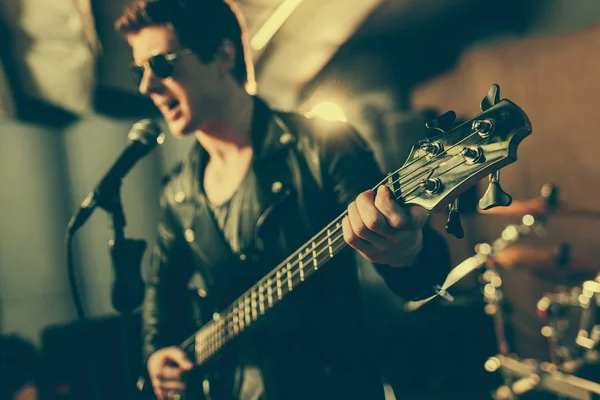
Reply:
x=215 y=380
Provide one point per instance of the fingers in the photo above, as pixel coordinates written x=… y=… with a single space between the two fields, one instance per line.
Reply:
x=169 y=374
x=418 y=215
x=162 y=388
x=165 y=367
x=376 y=225
x=176 y=356
x=360 y=245
x=365 y=221
x=167 y=380
x=392 y=212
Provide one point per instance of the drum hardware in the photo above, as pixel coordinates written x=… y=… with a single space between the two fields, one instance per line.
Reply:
x=528 y=375
x=573 y=345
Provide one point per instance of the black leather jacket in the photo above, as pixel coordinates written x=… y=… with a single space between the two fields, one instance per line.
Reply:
x=307 y=172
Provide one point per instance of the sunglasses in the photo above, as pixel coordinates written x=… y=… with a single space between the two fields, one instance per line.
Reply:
x=161 y=65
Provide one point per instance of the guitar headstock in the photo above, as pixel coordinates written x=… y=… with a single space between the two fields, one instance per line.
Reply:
x=442 y=167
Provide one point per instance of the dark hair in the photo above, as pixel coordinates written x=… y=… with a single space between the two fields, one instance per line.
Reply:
x=200 y=25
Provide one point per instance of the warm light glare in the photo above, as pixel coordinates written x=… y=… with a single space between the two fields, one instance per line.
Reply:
x=272 y=25
x=492 y=364
x=329 y=111
x=484 y=249
x=528 y=220
x=510 y=233
x=547 y=331
x=489 y=289
x=496 y=281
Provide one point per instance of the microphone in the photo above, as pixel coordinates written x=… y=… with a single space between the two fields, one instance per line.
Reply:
x=143 y=138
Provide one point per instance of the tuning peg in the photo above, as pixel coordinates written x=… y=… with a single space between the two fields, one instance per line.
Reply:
x=491 y=98
x=443 y=122
x=453 y=225
x=494 y=196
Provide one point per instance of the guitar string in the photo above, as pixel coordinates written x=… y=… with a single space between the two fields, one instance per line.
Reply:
x=212 y=332
x=219 y=331
x=215 y=330
x=294 y=255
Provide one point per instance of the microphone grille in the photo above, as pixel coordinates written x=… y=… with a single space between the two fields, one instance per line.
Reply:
x=145 y=131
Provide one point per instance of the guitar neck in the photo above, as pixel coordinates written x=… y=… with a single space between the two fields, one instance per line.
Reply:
x=254 y=304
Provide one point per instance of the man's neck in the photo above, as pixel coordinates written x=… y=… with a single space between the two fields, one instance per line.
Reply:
x=229 y=134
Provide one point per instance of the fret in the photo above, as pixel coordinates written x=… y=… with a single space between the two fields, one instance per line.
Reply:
x=301 y=266
x=254 y=306
x=199 y=344
x=247 y=310
x=279 y=294
x=289 y=276
x=270 y=292
x=235 y=323
x=222 y=333
x=258 y=299
x=261 y=299
x=213 y=338
x=241 y=315
x=390 y=183
x=314 y=256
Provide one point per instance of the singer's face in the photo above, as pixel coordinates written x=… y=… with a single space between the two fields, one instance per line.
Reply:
x=188 y=98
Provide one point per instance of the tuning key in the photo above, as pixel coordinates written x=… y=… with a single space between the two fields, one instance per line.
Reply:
x=494 y=196
x=453 y=225
x=433 y=148
x=483 y=127
x=472 y=154
x=442 y=123
x=491 y=98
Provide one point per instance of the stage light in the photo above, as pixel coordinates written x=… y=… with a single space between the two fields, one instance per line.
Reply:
x=329 y=111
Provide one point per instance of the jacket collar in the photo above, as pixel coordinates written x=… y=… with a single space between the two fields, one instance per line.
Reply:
x=274 y=179
x=270 y=135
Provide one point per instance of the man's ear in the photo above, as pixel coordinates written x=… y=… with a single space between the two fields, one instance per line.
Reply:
x=226 y=57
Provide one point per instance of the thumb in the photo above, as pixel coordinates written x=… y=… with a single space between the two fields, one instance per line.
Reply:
x=178 y=357
x=419 y=216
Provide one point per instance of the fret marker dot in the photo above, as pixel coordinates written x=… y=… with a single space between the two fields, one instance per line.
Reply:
x=286 y=138
x=179 y=197
x=276 y=187
x=189 y=235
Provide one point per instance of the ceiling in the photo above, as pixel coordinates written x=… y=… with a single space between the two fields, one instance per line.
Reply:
x=52 y=43
x=53 y=60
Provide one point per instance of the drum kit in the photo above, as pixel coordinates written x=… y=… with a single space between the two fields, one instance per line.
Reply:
x=564 y=318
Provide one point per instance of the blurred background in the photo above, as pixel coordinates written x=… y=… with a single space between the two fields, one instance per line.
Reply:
x=386 y=66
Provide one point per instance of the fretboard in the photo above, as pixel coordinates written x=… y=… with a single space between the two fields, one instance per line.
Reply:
x=252 y=306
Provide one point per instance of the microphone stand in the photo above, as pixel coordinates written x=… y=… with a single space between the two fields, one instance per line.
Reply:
x=127 y=292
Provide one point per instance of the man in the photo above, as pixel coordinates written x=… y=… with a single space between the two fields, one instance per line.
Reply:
x=255 y=187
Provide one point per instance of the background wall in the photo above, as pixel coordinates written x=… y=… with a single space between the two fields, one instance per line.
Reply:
x=554 y=80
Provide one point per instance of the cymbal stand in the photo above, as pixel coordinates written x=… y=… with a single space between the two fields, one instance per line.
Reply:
x=492 y=282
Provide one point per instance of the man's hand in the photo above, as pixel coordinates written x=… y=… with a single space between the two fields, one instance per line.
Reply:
x=382 y=231
x=165 y=367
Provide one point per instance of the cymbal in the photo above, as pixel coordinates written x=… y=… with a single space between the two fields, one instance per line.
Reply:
x=538 y=206
x=527 y=255
x=548 y=264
